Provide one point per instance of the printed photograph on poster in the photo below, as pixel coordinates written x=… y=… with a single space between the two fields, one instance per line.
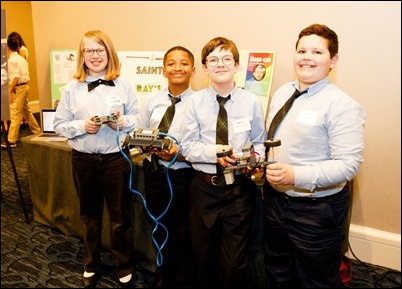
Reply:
x=256 y=73
x=144 y=71
x=64 y=66
x=259 y=72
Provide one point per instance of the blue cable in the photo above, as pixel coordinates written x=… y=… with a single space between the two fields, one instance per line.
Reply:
x=159 y=255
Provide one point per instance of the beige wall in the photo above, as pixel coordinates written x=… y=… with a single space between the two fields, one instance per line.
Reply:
x=369 y=67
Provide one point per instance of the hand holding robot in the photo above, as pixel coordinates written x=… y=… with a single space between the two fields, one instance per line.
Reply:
x=246 y=162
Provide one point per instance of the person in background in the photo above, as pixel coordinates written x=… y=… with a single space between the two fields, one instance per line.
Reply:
x=18 y=90
x=306 y=199
x=23 y=51
x=100 y=170
x=220 y=213
x=177 y=269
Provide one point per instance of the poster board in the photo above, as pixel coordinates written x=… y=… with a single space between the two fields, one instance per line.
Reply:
x=143 y=69
x=63 y=65
x=256 y=73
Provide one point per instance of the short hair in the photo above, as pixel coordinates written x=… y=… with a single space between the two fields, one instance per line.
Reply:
x=13 y=41
x=224 y=44
x=181 y=48
x=18 y=37
x=113 y=67
x=324 y=32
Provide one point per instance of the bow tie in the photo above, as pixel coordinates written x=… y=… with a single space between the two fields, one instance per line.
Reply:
x=95 y=83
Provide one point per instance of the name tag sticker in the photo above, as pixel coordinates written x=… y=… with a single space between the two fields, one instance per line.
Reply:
x=241 y=125
x=113 y=100
x=307 y=117
x=158 y=113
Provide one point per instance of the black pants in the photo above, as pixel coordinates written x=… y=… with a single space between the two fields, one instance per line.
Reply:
x=172 y=210
x=99 y=179
x=303 y=239
x=220 y=227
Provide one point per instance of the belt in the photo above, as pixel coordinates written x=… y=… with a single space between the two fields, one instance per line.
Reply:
x=100 y=155
x=212 y=179
x=310 y=200
x=209 y=179
x=19 y=84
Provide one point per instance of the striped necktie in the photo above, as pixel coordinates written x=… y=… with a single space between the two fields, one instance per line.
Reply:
x=221 y=134
x=222 y=122
x=280 y=115
x=169 y=114
x=164 y=125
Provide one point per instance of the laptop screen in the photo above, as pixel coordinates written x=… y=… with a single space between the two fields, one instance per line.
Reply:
x=47 y=120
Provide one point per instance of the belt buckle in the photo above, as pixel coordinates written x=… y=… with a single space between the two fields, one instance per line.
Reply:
x=214 y=180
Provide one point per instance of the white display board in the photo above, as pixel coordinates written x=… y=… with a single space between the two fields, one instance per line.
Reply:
x=144 y=71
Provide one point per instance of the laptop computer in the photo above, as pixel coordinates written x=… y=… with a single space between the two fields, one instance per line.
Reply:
x=48 y=133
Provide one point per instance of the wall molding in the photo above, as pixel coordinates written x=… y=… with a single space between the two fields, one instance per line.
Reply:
x=375 y=247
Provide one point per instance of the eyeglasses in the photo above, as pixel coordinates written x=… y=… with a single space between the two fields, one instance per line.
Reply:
x=214 y=61
x=99 y=51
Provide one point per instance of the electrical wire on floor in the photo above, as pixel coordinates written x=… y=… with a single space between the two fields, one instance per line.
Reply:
x=378 y=277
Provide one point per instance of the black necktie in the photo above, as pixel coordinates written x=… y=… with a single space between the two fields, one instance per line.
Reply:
x=164 y=127
x=280 y=115
x=168 y=116
x=95 y=83
x=221 y=134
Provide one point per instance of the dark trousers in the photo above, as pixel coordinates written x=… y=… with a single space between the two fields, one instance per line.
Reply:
x=220 y=221
x=99 y=179
x=303 y=239
x=172 y=211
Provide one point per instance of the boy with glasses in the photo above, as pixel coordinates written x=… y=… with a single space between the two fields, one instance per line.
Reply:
x=220 y=209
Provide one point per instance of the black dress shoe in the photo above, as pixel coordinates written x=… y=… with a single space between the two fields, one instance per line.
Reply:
x=88 y=282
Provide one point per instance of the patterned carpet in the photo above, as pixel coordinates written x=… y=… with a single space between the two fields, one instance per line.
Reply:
x=37 y=256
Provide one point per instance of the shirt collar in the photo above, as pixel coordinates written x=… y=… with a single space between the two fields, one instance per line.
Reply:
x=233 y=94
x=315 y=87
x=184 y=94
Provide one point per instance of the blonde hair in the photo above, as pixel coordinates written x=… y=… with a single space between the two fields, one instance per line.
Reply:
x=113 y=66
